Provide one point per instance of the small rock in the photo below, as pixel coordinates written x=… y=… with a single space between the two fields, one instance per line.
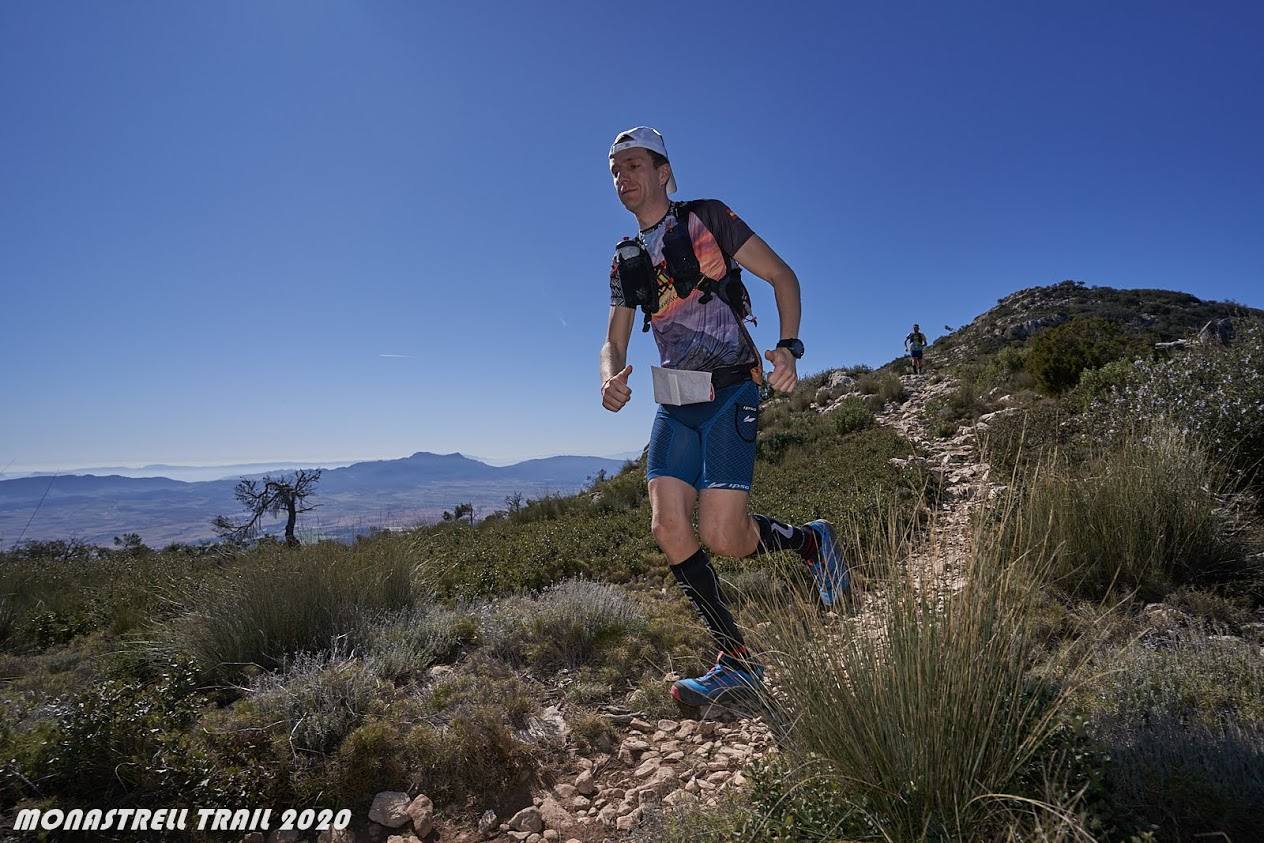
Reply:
x=336 y=835
x=687 y=728
x=565 y=791
x=254 y=837
x=403 y=838
x=551 y=834
x=628 y=821
x=390 y=808
x=679 y=797
x=487 y=822
x=421 y=810
x=439 y=671
x=584 y=783
x=554 y=815
x=580 y=803
x=641 y=726
x=668 y=725
x=528 y=819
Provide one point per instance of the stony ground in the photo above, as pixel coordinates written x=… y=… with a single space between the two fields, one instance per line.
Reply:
x=603 y=796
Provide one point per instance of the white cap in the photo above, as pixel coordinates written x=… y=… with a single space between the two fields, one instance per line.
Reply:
x=643 y=137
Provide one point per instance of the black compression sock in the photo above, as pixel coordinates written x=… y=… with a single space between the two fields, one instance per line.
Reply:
x=698 y=580
x=776 y=535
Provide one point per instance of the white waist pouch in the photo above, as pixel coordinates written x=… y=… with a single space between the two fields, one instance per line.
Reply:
x=681 y=386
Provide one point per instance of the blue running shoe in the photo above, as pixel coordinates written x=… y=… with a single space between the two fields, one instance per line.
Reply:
x=720 y=683
x=828 y=569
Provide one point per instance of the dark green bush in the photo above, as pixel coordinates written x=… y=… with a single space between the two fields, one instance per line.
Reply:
x=1057 y=356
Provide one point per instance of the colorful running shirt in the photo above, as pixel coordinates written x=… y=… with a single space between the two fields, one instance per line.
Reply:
x=915 y=341
x=690 y=334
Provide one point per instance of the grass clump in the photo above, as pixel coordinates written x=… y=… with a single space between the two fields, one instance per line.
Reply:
x=1145 y=515
x=878 y=713
x=280 y=603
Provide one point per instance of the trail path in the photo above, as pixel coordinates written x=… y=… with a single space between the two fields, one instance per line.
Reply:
x=957 y=464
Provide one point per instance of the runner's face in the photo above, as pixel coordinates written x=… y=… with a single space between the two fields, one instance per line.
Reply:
x=636 y=179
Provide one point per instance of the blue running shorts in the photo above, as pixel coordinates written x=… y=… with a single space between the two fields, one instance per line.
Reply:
x=710 y=445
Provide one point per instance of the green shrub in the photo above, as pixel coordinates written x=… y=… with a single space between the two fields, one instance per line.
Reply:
x=474 y=755
x=891 y=388
x=1193 y=678
x=373 y=758
x=1057 y=356
x=117 y=738
x=850 y=416
x=1015 y=442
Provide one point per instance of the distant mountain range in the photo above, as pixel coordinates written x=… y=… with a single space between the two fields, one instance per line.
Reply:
x=352 y=499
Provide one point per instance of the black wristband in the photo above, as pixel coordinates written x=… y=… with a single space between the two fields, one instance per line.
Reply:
x=794 y=346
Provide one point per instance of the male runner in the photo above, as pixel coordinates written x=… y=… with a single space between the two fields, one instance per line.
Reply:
x=703 y=454
x=913 y=344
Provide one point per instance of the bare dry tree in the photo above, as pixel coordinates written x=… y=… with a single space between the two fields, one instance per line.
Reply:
x=276 y=494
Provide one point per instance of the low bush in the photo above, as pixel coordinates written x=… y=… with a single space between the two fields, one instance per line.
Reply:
x=1214 y=392
x=316 y=699
x=403 y=644
x=563 y=627
x=1015 y=442
x=118 y=738
x=1184 y=781
x=850 y=416
x=1183 y=725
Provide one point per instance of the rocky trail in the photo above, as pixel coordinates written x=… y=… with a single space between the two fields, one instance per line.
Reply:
x=604 y=795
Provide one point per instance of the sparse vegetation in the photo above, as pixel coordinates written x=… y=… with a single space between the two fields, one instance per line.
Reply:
x=1102 y=641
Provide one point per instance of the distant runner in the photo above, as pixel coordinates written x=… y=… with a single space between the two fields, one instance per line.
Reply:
x=913 y=344
x=684 y=270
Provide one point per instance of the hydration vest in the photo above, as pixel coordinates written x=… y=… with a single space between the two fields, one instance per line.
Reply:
x=639 y=279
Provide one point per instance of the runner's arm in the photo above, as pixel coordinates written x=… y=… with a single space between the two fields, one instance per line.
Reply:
x=614 y=353
x=758 y=257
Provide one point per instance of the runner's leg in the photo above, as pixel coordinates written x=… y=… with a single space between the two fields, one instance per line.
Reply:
x=672 y=502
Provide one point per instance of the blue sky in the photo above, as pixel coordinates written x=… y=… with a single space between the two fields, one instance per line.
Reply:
x=240 y=231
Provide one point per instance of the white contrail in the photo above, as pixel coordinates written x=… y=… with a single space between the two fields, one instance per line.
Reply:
x=402 y=356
